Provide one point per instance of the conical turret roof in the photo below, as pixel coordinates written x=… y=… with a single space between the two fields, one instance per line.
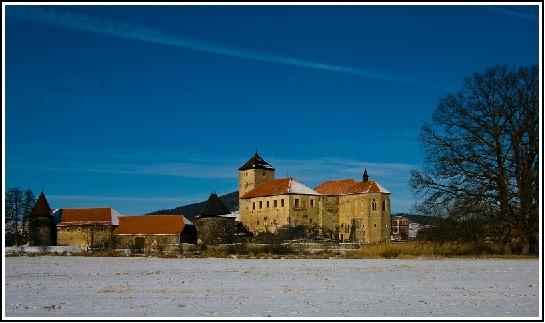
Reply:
x=214 y=207
x=41 y=208
x=256 y=162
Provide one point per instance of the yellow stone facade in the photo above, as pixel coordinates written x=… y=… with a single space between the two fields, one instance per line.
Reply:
x=268 y=214
x=249 y=179
x=364 y=217
x=93 y=236
x=360 y=218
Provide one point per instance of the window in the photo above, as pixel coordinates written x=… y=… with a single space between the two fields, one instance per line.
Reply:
x=347 y=229
x=289 y=220
x=260 y=204
x=263 y=173
x=267 y=203
x=375 y=225
x=274 y=203
x=342 y=237
x=79 y=229
x=282 y=202
x=383 y=205
x=253 y=206
x=373 y=205
x=274 y=221
x=257 y=222
x=311 y=203
x=67 y=229
x=353 y=221
x=296 y=202
x=310 y=220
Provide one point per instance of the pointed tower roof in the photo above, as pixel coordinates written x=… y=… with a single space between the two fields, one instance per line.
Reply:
x=365 y=176
x=214 y=207
x=41 y=208
x=256 y=162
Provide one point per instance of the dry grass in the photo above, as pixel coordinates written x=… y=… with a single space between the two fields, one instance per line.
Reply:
x=417 y=249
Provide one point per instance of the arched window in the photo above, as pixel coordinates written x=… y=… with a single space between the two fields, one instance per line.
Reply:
x=373 y=205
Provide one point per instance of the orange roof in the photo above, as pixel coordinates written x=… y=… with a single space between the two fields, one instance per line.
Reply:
x=279 y=187
x=150 y=224
x=335 y=187
x=87 y=216
x=349 y=186
x=366 y=187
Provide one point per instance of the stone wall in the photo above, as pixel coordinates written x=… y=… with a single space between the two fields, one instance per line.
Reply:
x=149 y=242
x=42 y=231
x=93 y=236
x=268 y=214
x=212 y=230
x=330 y=216
x=249 y=179
x=365 y=212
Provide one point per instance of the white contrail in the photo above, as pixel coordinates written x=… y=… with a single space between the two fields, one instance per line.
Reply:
x=515 y=14
x=126 y=30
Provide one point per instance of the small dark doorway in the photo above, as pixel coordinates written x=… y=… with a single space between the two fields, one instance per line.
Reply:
x=139 y=242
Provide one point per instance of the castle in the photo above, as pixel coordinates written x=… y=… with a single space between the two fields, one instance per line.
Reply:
x=343 y=210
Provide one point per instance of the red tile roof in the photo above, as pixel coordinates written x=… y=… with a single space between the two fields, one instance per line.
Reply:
x=88 y=216
x=335 y=187
x=367 y=187
x=349 y=186
x=279 y=187
x=150 y=224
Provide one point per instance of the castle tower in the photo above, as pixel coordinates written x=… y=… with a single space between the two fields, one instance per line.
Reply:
x=42 y=229
x=254 y=172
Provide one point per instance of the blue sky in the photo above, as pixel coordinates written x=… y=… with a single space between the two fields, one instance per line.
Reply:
x=148 y=107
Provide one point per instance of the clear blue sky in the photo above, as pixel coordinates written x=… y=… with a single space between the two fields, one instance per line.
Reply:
x=148 y=107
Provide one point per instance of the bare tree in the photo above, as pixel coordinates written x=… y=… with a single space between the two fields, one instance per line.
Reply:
x=481 y=153
x=13 y=215
x=28 y=203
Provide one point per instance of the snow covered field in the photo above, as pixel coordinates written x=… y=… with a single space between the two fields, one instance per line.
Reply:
x=85 y=286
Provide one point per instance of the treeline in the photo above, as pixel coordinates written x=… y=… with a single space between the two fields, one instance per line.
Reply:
x=19 y=204
x=481 y=155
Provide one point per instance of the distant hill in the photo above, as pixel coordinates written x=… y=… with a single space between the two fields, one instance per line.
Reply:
x=190 y=211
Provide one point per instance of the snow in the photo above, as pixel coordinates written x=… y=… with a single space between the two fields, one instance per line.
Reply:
x=381 y=188
x=115 y=217
x=297 y=188
x=52 y=286
x=186 y=221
